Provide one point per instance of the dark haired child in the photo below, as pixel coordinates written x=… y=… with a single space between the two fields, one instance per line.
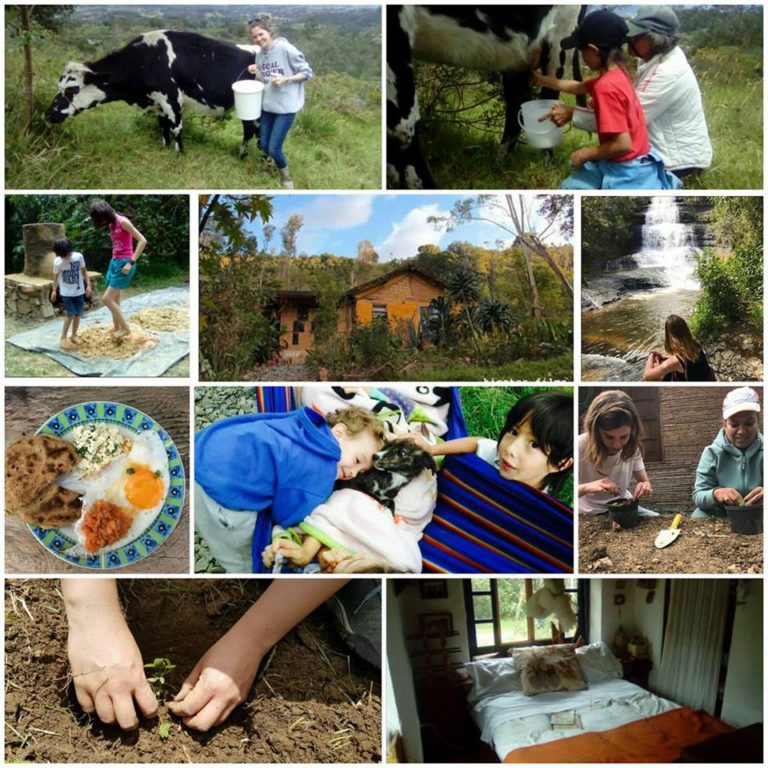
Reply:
x=623 y=158
x=71 y=282
x=535 y=445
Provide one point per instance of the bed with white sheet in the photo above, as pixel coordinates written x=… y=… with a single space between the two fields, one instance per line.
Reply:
x=511 y=721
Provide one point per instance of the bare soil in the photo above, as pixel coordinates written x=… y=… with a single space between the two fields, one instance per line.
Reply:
x=705 y=545
x=311 y=703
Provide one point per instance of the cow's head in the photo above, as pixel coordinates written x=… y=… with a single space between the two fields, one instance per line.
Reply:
x=77 y=92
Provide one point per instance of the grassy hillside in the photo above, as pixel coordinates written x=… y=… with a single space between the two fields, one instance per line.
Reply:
x=335 y=142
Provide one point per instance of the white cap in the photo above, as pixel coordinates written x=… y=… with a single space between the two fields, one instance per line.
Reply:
x=741 y=399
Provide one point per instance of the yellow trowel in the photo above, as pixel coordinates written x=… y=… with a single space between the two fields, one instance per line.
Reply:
x=668 y=535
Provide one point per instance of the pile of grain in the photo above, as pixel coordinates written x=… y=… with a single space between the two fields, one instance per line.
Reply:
x=162 y=318
x=98 y=341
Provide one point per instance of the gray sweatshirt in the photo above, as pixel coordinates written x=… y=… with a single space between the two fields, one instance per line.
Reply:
x=284 y=60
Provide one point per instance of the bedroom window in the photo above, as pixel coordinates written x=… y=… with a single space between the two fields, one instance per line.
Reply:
x=496 y=613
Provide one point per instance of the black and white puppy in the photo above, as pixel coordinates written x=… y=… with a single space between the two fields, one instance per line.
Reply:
x=394 y=466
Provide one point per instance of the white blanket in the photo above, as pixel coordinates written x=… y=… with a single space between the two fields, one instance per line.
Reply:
x=508 y=721
x=360 y=524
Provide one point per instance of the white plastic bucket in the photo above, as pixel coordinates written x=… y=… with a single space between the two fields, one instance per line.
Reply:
x=248 y=95
x=542 y=135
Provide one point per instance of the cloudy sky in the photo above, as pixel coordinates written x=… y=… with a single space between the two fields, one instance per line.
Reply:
x=396 y=224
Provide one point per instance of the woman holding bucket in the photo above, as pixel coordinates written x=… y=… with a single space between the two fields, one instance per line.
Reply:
x=730 y=470
x=283 y=70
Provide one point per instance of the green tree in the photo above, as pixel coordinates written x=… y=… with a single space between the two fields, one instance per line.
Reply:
x=290 y=232
x=28 y=22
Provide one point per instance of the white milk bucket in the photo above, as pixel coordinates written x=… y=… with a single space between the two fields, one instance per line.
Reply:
x=248 y=99
x=544 y=135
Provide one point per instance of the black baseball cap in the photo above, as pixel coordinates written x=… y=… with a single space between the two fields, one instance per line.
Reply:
x=603 y=29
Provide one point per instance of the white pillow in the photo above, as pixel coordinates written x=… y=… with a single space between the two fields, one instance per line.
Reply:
x=492 y=676
x=598 y=663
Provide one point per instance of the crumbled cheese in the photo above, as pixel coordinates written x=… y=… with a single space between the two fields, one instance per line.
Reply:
x=98 y=445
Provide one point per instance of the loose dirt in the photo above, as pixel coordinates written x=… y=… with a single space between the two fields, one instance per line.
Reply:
x=97 y=340
x=162 y=318
x=313 y=703
x=705 y=545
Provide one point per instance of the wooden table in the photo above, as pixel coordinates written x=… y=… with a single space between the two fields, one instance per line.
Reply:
x=26 y=408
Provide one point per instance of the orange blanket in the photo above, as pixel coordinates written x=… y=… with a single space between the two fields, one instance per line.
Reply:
x=656 y=739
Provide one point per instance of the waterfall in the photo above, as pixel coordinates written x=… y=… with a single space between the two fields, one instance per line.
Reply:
x=668 y=245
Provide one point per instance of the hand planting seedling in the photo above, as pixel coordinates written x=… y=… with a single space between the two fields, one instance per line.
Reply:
x=160 y=668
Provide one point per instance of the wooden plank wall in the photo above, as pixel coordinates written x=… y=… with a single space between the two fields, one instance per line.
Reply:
x=690 y=419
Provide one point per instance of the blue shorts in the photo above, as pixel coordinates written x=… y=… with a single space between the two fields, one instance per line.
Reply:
x=115 y=277
x=74 y=305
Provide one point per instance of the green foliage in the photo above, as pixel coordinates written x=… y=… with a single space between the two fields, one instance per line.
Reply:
x=718 y=26
x=732 y=291
x=607 y=225
x=164 y=731
x=162 y=219
x=159 y=670
x=732 y=276
x=237 y=286
x=373 y=346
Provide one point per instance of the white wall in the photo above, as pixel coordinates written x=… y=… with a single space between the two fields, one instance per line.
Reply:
x=400 y=695
x=743 y=697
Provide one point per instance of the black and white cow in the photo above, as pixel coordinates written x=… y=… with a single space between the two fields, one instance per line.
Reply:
x=511 y=39
x=159 y=71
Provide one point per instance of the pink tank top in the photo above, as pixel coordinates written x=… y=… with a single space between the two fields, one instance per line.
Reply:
x=122 y=240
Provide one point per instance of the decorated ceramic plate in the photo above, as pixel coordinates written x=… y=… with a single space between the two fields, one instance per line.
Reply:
x=131 y=478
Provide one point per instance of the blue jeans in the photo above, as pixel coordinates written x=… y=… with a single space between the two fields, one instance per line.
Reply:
x=274 y=129
x=74 y=305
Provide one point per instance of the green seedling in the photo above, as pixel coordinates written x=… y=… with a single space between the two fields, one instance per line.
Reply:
x=159 y=669
x=164 y=730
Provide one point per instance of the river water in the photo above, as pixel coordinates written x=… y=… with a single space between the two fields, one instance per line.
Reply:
x=629 y=304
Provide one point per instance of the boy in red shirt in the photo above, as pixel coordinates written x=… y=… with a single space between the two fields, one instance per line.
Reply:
x=624 y=158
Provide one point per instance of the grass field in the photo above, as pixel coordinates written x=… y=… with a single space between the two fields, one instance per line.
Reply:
x=462 y=157
x=334 y=144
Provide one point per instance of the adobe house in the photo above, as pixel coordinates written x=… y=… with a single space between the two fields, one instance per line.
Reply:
x=295 y=311
x=402 y=294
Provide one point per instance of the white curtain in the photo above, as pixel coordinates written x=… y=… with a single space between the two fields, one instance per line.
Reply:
x=693 y=642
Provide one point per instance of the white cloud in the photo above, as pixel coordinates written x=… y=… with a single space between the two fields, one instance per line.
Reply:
x=338 y=211
x=408 y=234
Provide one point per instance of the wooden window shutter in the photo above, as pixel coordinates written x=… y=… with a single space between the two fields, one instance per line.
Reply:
x=646 y=400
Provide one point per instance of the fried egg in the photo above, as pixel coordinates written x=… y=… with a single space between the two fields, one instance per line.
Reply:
x=137 y=481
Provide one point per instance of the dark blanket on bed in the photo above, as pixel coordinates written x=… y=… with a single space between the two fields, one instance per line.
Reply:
x=657 y=739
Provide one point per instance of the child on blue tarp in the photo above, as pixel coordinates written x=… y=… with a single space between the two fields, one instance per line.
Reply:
x=288 y=462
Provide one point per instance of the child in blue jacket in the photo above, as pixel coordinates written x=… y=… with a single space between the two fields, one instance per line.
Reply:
x=287 y=461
